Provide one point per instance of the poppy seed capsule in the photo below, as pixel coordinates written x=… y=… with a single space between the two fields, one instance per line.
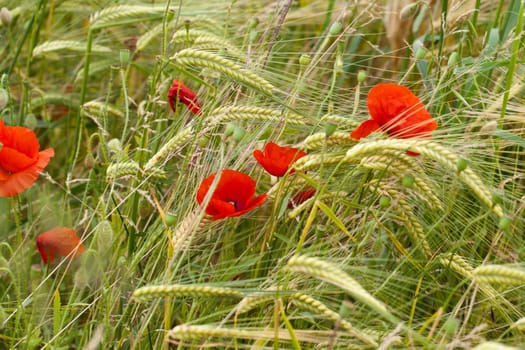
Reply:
x=304 y=60
x=170 y=219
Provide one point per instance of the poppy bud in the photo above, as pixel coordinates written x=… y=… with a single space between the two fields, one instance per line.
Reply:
x=384 y=202
x=453 y=59
x=504 y=223
x=5 y=16
x=253 y=23
x=114 y=145
x=124 y=57
x=253 y=35
x=230 y=128
x=421 y=53
x=361 y=76
x=408 y=11
x=496 y=198
x=4 y=98
x=408 y=181
x=329 y=129
x=461 y=164
x=30 y=121
x=451 y=326
x=304 y=60
x=203 y=141
x=103 y=236
x=336 y=28
x=238 y=134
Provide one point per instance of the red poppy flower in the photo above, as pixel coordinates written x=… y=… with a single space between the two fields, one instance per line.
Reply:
x=185 y=95
x=61 y=241
x=300 y=198
x=20 y=160
x=233 y=196
x=276 y=159
x=396 y=110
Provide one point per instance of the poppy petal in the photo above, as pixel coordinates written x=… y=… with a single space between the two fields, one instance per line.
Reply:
x=364 y=129
x=16 y=183
x=62 y=241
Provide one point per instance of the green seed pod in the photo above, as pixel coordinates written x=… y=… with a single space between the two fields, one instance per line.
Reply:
x=253 y=35
x=103 y=236
x=4 y=98
x=336 y=28
x=5 y=16
x=304 y=60
x=203 y=141
x=408 y=181
x=124 y=57
x=421 y=53
x=229 y=129
x=361 y=76
x=114 y=145
x=170 y=219
x=453 y=59
x=451 y=326
x=384 y=202
x=461 y=164
x=504 y=223
x=238 y=134
x=496 y=198
x=253 y=23
x=408 y=11
x=30 y=121
x=329 y=129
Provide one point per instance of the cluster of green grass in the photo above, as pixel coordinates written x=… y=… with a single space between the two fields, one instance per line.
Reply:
x=392 y=252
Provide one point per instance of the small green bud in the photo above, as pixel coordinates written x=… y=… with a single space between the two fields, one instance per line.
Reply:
x=336 y=28
x=253 y=35
x=253 y=22
x=170 y=219
x=451 y=326
x=124 y=57
x=453 y=59
x=408 y=181
x=203 y=141
x=89 y=161
x=5 y=16
x=504 y=223
x=496 y=198
x=461 y=164
x=421 y=53
x=30 y=121
x=238 y=134
x=4 y=98
x=384 y=202
x=230 y=128
x=304 y=60
x=329 y=129
x=114 y=145
x=408 y=11
x=361 y=76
